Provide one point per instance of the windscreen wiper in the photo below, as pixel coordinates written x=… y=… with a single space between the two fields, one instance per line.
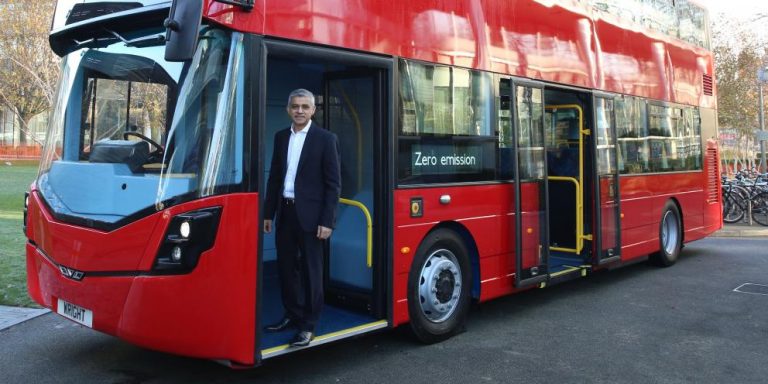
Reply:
x=94 y=42
x=147 y=41
x=245 y=4
x=140 y=42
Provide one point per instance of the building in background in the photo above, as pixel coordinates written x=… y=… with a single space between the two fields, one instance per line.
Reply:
x=738 y=151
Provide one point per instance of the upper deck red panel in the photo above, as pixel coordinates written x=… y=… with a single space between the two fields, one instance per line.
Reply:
x=531 y=38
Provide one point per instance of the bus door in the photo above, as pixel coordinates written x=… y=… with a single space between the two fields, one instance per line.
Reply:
x=351 y=101
x=531 y=245
x=606 y=183
x=565 y=141
x=352 y=107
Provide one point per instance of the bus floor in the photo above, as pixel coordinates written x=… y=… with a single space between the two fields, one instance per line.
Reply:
x=562 y=261
x=332 y=319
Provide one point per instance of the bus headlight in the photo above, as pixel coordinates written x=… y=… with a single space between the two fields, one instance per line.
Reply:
x=184 y=229
x=180 y=252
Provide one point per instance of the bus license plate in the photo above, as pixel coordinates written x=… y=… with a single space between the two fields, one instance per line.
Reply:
x=75 y=313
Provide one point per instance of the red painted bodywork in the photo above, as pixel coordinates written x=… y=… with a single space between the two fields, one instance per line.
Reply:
x=565 y=43
x=487 y=213
x=209 y=312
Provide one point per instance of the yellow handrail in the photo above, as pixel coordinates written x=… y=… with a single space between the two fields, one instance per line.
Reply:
x=369 y=229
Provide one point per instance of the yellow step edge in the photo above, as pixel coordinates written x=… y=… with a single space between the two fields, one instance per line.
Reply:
x=321 y=339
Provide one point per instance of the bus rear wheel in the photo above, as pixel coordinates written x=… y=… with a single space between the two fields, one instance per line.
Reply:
x=670 y=237
x=438 y=287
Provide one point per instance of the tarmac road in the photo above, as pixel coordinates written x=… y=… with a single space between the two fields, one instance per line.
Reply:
x=638 y=324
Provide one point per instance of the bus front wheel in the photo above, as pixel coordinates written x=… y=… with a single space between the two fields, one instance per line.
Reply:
x=670 y=236
x=439 y=287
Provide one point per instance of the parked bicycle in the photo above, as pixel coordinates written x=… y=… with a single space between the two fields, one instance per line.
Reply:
x=745 y=195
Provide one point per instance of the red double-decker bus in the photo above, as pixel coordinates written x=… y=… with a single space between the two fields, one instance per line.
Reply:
x=487 y=147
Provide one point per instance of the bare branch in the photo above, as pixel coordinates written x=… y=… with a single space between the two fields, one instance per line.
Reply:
x=28 y=67
x=24 y=126
x=48 y=89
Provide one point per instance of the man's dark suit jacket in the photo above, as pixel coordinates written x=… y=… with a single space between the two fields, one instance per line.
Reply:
x=318 y=178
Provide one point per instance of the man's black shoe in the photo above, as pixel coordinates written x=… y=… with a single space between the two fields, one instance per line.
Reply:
x=281 y=325
x=302 y=339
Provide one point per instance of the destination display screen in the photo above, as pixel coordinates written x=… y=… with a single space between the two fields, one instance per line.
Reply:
x=446 y=159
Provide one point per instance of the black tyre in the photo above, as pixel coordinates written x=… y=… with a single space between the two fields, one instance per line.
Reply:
x=439 y=287
x=760 y=208
x=670 y=236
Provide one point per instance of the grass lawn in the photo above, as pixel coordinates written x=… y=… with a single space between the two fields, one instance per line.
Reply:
x=14 y=181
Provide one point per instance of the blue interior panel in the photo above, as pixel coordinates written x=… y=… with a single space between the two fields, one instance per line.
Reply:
x=348 y=247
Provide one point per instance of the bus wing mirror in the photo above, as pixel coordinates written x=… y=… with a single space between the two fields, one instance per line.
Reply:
x=181 y=31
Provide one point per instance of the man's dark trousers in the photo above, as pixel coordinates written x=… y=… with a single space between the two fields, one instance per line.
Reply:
x=300 y=265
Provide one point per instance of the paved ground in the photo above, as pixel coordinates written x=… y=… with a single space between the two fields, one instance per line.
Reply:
x=743 y=230
x=691 y=323
x=10 y=316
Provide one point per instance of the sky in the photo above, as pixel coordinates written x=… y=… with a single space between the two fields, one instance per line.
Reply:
x=739 y=9
x=749 y=15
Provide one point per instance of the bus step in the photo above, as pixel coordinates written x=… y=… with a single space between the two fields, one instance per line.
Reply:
x=567 y=274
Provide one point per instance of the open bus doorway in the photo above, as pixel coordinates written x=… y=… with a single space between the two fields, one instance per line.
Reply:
x=569 y=177
x=351 y=102
x=583 y=184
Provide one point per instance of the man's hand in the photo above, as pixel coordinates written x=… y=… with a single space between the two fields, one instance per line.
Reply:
x=323 y=232
x=267 y=226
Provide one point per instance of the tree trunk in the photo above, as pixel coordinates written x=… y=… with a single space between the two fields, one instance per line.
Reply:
x=24 y=138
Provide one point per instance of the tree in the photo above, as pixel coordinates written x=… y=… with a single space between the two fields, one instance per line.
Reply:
x=738 y=52
x=29 y=69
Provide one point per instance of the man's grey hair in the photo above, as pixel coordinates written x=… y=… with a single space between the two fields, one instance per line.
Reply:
x=301 y=92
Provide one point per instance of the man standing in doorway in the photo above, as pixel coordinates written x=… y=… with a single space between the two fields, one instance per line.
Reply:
x=303 y=191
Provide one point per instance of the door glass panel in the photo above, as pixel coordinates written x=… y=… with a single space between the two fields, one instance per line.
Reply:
x=605 y=141
x=506 y=158
x=607 y=172
x=350 y=114
x=532 y=187
x=530 y=130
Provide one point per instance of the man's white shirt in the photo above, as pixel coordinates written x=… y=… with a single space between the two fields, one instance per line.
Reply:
x=295 y=146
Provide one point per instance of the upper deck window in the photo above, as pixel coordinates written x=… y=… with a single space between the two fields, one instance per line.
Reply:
x=681 y=19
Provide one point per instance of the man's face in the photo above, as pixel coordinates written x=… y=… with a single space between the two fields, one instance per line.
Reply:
x=301 y=110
